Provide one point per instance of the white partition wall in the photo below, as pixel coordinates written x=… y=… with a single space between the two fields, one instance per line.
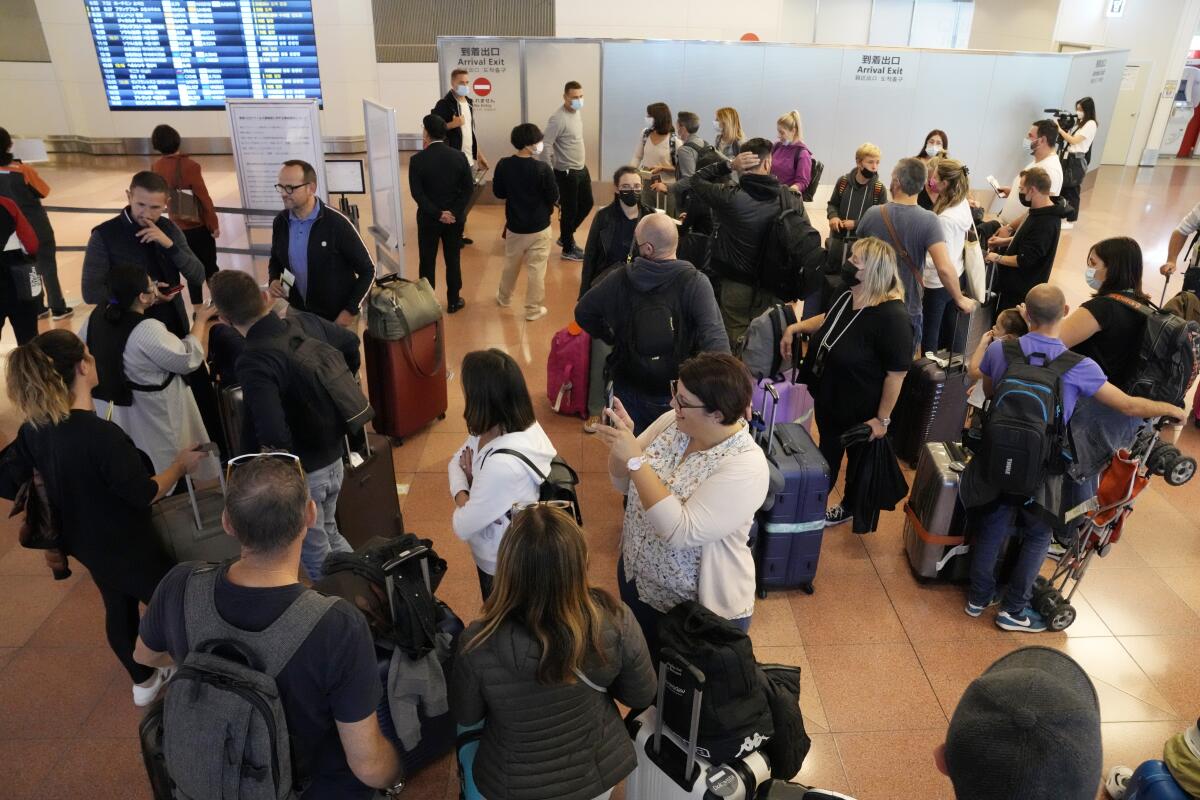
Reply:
x=549 y=64
x=383 y=164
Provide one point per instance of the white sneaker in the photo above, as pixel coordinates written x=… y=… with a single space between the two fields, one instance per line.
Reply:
x=1117 y=782
x=144 y=695
x=502 y=303
x=541 y=311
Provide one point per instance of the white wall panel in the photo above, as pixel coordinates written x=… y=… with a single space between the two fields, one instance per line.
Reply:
x=636 y=74
x=549 y=65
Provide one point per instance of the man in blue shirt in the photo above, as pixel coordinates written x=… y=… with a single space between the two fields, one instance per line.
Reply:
x=318 y=261
x=1002 y=515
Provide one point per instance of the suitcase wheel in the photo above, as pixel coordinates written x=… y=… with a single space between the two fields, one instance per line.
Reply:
x=762 y=594
x=396 y=441
x=808 y=588
x=441 y=417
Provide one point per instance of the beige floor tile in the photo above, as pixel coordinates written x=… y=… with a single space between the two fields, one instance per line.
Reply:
x=885 y=765
x=874 y=687
x=846 y=609
x=1169 y=661
x=1157 y=610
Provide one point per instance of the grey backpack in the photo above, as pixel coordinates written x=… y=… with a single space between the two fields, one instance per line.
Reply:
x=224 y=732
x=760 y=343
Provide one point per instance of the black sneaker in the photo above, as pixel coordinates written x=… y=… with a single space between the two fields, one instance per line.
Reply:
x=836 y=515
x=558 y=242
x=574 y=254
x=44 y=313
x=62 y=313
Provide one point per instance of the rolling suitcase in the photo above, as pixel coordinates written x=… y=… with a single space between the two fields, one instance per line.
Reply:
x=789 y=535
x=935 y=520
x=795 y=401
x=368 y=504
x=932 y=406
x=668 y=767
x=567 y=371
x=188 y=525
x=406 y=380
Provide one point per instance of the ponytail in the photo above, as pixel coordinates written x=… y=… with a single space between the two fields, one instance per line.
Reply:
x=791 y=121
x=41 y=373
x=958 y=184
x=125 y=283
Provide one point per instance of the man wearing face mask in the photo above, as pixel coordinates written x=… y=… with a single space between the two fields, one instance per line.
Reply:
x=655 y=312
x=458 y=110
x=564 y=151
x=529 y=192
x=1041 y=141
x=1025 y=259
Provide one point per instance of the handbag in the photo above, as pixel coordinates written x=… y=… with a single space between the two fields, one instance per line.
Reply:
x=38 y=531
x=182 y=206
x=25 y=276
x=397 y=307
x=1074 y=168
x=975 y=268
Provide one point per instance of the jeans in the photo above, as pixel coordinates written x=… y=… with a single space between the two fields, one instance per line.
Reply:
x=574 y=202
x=597 y=385
x=943 y=325
x=534 y=250
x=323 y=538
x=643 y=408
x=204 y=246
x=430 y=233
x=995 y=526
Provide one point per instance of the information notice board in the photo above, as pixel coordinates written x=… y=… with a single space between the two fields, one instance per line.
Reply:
x=383 y=165
x=265 y=133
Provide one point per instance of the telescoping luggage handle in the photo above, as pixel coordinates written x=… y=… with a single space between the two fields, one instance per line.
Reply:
x=769 y=389
x=389 y=570
x=212 y=450
x=692 y=678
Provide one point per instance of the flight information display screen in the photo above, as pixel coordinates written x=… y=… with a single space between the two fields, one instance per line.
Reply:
x=196 y=54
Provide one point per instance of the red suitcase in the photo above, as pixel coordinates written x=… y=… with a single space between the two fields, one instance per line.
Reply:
x=406 y=380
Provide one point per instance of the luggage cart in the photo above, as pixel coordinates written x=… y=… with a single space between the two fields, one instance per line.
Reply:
x=1121 y=482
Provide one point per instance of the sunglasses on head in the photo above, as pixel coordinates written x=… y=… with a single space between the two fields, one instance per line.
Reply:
x=246 y=458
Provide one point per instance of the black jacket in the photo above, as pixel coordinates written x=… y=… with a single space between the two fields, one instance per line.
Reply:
x=1035 y=245
x=851 y=199
x=605 y=311
x=340 y=269
x=447 y=109
x=742 y=212
x=225 y=344
x=439 y=178
x=601 y=250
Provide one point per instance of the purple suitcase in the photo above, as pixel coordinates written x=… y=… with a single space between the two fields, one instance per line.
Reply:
x=789 y=535
x=795 y=402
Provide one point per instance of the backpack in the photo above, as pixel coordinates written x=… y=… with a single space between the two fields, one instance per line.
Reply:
x=558 y=485
x=735 y=717
x=1024 y=435
x=706 y=154
x=567 y=371
x=760 y=344
x=655 y=338
x=322 y=369
x=1169 y=355
x=229 y=675
x=843 y=183
x=791 y=259
x=814 y=181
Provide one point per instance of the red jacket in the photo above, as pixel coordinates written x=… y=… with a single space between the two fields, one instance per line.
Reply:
x=190 y=178
x=24 y=230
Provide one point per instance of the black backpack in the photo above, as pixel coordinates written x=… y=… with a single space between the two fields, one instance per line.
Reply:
x=787 y=749
x=560 y=484
x=1024 y=435
x=791 y=259
x=1169 y=355
x=810 y=191
x=706 y=154
x=655 y=339
x=735 y=715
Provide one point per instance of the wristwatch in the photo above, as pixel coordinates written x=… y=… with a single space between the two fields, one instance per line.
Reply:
x=635 y=463
x=394 y=790
x=885 y=421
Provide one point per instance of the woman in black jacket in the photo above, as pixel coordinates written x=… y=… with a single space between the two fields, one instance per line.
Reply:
x=99 y=485
x=543 y=670
x=609 y=243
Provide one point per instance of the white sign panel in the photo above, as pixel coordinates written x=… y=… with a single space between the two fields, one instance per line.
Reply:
x=265 y=133
x=383 y=164
x=880 y=68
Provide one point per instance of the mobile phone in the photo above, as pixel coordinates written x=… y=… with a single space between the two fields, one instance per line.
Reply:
x=171 y=291
x=608 y=404
x=207 y=447
x=991 y=179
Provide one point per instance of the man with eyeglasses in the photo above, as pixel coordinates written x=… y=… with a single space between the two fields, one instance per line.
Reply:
x=319 y=263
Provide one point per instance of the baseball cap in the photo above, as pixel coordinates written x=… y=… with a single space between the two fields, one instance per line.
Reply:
x=1028 y=728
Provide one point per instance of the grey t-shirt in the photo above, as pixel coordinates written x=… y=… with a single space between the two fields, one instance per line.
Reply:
x=918 y=230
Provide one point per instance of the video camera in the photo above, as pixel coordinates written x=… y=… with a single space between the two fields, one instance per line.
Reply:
x=1065 y=119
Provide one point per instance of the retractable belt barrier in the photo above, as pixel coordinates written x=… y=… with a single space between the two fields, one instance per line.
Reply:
x=263 y=250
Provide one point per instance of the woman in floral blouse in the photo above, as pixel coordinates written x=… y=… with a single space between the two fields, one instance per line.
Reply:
x=694 y=479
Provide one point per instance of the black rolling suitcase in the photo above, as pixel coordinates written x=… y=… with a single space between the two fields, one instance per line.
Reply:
x=932 y=406
x=368 y=504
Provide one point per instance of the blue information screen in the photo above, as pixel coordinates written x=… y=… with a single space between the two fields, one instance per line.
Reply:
x=196 y=54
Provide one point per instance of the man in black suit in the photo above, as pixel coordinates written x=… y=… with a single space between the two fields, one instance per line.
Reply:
x=439 y=179
x=458 y=110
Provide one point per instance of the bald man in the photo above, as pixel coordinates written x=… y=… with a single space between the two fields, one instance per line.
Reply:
x=1000 y=515
x=656 y=311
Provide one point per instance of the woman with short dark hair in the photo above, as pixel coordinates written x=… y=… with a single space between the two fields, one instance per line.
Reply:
x=694 y=479
x=196 y=218
x=484 y=482
x=544 y=667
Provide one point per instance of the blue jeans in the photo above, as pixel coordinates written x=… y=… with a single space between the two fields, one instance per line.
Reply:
x=938 y=318
x=995 y=526
x=323 y=538
x=643 y=408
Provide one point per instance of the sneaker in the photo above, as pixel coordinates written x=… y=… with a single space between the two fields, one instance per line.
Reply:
x=63 y=313
x=1027 y=621
x=44 y=313
x=974 y=610
x=836 y=515
x=1117 y=783
x=540 y=312
x=1066 y=226
x=574 y=254
x=1056 y=551
x=502 y=303
x=591 y=425
x=558 y=242
x=145 y=694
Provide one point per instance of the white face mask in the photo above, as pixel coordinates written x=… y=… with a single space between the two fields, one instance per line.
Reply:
x=1028 y=146
x=577 y=103
x=650 y=123
x=537 y=148
x=932 y=150
x=1093 y=282
x=717 y=126
x=461 y=90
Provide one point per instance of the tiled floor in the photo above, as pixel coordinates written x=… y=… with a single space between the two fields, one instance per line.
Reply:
x=884 y=658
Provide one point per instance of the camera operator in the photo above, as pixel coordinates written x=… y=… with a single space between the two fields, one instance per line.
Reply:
x=1076 y=152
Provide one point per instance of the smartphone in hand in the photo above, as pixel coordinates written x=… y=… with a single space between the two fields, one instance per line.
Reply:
x=171 y=291
x=608 y=404
x=991 y=179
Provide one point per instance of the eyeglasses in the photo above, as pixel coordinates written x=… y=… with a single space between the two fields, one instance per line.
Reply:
x=288 y=188
x=245 y=458
x=678 y=401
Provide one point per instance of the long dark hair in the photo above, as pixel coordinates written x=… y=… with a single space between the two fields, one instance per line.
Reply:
x=542 y=585
x=945 y=143
x=6 y=143
x=125 y=282
x=661 y=114
x=1089 y=110
x=1122 y=259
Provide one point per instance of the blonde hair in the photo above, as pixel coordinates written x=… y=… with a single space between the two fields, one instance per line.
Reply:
x=955 y=175
x=791 y=122
x=867 y=150
x=881 y=280
x=731 y=125
x=542 y=586
x=40 y=374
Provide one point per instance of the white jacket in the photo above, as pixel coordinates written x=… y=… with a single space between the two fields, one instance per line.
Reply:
x=500 y=480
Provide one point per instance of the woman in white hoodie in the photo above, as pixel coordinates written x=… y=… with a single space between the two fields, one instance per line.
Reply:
x=486 y=484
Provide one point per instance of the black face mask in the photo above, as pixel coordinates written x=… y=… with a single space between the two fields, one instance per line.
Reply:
x=849 y=274
x=1024 y=200
x=869 y=174
x=628 y=197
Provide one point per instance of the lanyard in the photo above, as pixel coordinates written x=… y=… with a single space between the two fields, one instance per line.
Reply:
x=827 y=345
